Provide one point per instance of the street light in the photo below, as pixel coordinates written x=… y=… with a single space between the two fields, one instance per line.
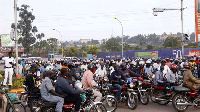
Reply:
x=61 y=38
x=155 y=13
x=122 y=35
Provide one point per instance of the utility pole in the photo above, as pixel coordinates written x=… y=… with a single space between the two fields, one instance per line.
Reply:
x=155 y=13
x=16 y=38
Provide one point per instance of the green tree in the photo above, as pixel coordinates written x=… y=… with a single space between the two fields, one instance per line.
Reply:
x=112 y=45
x=60 y=50
x=84 y=54
x=149 y=47
x=72 y=52
x=52 y=43
x=25 y=28
x=93 y=49
x=172 y=42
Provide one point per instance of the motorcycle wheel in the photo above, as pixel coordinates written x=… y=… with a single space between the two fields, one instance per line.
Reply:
x=153 y=96
x=98 y=108
x=110 y=103
x=132 y=101
x=32 y=104
x=179 y=98
x=158 y=94
x=23 y=97
x=17 y=108
x=144 y=98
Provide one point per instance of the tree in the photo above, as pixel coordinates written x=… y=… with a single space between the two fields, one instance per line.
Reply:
x=112 y=45
x=93 y=49
x=149 y=47
x=25 y=28
x=60 y=50
x=172 y=42
x=52 y=43
x=84 y=54
x=72 y=52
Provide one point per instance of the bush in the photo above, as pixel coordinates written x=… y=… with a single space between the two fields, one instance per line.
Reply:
x=18 y=83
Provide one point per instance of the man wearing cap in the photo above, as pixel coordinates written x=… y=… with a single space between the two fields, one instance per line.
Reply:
x=9 y=63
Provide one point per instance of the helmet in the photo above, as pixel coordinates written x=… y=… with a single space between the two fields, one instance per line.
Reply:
x=141 y=62
x=163 y=60
x=70 y=65
x=148 y=61
x=174 y=66
x=186 y=65
x=90 y=66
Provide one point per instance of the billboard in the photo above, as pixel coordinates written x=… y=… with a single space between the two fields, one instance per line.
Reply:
x=147 y=54
x=7 y=42
x=197 y=20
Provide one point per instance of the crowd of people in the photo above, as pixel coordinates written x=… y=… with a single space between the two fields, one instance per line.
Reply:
x=164 y=72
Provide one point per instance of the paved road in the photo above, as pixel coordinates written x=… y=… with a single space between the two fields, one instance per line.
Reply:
x=153 y=107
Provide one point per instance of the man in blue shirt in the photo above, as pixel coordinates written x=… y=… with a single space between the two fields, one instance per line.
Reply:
x=63 y=87
x=116 y=80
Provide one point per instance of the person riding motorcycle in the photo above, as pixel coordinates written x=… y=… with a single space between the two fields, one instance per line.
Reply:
x=48 y=93
x=172 y=76
x=188 y=79
x=127 y=72
x=77 y=69
x=116 y=78
x=148 y=70
x=72 y=76
x=64 y=65
x=88 y=83
x=64 y=88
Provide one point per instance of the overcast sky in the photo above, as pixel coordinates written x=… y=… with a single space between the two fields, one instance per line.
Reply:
x=93 y=19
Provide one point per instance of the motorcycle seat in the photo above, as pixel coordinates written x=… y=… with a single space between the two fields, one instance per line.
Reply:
x=69 y=105
x=181 y=89
x=50 y=103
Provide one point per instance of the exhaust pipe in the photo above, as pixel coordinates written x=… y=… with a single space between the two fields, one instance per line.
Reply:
x=186 y=103
x=160 y=99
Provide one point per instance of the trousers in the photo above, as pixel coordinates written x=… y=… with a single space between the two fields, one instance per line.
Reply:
x=58 y=100
x=8 y=73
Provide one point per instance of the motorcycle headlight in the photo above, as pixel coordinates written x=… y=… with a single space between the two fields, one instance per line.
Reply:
x=131 y=85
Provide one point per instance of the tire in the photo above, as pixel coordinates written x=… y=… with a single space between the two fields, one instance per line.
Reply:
x=158 y=94
x=32 y=104
x=110 y=103
x=132 y=101
x=98 y=108
x=23 y=97
x=144 y=98
x=153 y=96
x=179 y=98
x=18 y=108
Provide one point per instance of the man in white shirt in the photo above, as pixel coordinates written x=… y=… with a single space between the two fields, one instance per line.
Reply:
x=9 y=63
x=101 y=71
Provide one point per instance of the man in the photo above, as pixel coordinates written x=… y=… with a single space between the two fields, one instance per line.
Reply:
x=188 y=79
x=159 y=79
x=9 y=63
x=156 y=65
x=77 y=69
x=101 y=71
x=84 y=66
x=48 y=93
x=72 y=76
x=168 y=63
x=126 y=72
x=64 y=65
x=172 y=76
x=87 y=81
x=132 y=67
x=116 y=77
x=64 y=88
x=23 y=66
x=58 y=65
x=148 y=69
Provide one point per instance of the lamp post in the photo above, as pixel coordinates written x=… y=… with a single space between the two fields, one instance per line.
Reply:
x=61 y=38
x=155 y=13
x=16 y=38
x=122 y=34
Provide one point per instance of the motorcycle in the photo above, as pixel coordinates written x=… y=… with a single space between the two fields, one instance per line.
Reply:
x=128 y=95
x=185 y=97
x=138 y=88
x=109 y=101
x=87 y=105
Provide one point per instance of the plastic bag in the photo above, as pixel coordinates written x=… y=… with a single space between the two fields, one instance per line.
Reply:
x=12 y=96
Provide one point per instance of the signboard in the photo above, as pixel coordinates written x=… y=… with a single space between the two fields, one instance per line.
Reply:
x=7 y=42
x=147 y=55
x=197 y=20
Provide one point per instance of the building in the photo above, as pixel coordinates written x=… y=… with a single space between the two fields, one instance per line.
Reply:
x=84 y=40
